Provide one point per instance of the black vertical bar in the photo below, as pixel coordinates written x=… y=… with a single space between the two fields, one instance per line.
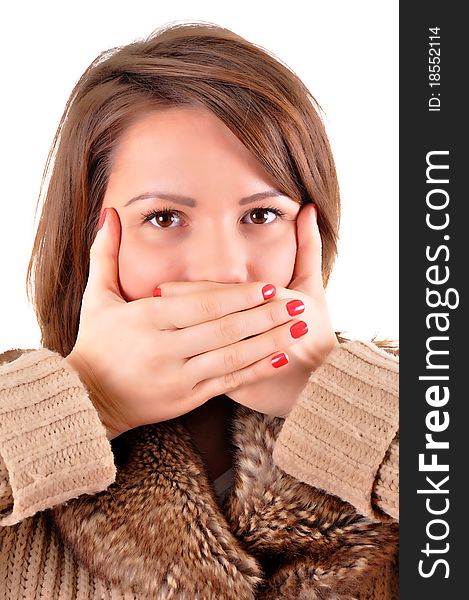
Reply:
x=434 y=242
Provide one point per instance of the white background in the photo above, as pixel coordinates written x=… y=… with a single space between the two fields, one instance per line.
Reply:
x=345 y=52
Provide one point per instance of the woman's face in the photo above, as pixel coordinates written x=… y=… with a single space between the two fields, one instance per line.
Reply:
x=187 y=168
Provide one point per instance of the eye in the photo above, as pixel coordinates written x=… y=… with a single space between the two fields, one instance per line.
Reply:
x=164 y=218
x=161 y=217
x=258 y=211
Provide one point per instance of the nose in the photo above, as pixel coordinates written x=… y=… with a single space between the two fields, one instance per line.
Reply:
x=217 y=254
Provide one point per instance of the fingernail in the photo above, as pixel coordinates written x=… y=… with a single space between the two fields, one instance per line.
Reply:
x=295 y=307
x=279 y=360
x=298 y=329
x=268 y=291
x=157 y=292
x=102 y=219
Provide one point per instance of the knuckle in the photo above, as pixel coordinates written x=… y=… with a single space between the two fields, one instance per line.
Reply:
x=232 y=360
x=231 y=329
x=232 y=380
x=277 y=341
x=210 y=306
x=273 y=315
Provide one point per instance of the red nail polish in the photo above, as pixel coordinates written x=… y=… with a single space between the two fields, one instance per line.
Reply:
x=157 y=292
x=102 y=218
x=279 y=360
x=268 y=291
x=295 y=307
x=298 y=329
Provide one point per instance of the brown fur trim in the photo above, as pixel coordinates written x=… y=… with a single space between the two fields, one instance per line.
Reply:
x=160 y=530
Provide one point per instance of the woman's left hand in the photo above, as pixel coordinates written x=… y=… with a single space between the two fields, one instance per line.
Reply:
x=276 y=395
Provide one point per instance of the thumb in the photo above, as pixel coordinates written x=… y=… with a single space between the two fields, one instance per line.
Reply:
x=307 y=276
x=104 y=256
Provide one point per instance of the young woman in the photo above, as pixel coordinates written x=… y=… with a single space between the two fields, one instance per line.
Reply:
x=192 y=427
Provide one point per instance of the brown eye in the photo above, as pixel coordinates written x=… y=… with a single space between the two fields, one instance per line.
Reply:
x=257 y=215
x=167 y=218
x=164 y=219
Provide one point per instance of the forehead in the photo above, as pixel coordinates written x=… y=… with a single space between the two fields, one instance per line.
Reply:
x=187 y=143
x=178 y=130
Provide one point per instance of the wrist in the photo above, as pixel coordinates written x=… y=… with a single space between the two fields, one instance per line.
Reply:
x=95 y=392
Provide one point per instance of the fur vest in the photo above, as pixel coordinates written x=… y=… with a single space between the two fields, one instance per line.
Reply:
x=159 y=530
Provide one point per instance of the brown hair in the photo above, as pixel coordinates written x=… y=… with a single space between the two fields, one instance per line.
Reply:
x=260 y=99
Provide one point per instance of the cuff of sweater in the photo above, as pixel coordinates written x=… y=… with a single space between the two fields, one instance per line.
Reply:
x=52 y=443
x=339 y=430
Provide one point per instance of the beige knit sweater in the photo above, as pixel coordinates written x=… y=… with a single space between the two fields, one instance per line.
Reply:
x=341 y=436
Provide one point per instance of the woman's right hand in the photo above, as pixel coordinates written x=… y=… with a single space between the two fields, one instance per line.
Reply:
x=154 y=359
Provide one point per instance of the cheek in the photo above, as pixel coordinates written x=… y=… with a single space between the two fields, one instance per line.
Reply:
x=140 y=270
x=278 y=260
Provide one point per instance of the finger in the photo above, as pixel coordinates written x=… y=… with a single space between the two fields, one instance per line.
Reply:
x=227 y=360
x=181 y=288
x=104 y=253
x=307 y=274
x=254 y=373
x=179 y=312
x=233 y=328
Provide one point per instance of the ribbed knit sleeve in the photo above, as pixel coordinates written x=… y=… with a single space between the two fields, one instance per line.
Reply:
x=342 y=433
x=53 y=446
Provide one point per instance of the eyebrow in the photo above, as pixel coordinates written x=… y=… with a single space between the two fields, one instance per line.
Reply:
x=178 y=199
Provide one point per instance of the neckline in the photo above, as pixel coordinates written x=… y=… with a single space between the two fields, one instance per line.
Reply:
x=220 y=480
